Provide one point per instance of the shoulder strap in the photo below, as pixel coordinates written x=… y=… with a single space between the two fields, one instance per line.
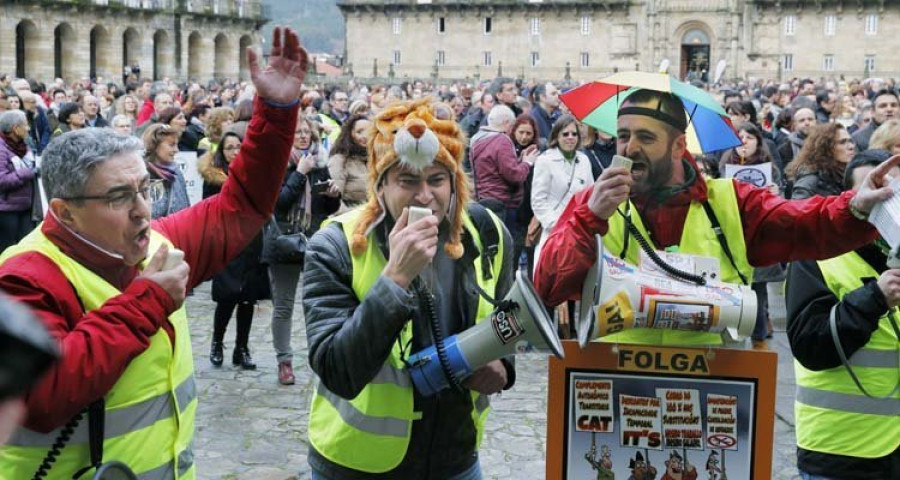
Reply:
x=490 y=237
x=720 y=235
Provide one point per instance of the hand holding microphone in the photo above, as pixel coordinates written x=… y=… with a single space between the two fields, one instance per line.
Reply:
x=168 y=269
x=413 y=244
x=612 y=188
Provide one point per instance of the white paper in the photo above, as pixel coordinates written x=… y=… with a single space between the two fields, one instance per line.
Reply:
x=759 y=175
x=886 y=216
x=187 y=161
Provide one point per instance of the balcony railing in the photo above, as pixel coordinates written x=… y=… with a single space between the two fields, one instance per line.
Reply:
x=227 y=8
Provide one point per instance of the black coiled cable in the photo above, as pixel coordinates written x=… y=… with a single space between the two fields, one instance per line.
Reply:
x=58 y=445
x=437 y=333
x=648 y=249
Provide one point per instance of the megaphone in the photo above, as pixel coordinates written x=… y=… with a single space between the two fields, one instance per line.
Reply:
x=617 y=296
x=522 y=327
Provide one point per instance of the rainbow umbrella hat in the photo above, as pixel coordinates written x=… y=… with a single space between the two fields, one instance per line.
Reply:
x=597 y=104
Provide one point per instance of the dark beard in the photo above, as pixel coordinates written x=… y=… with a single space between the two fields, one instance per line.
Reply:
x=658 y=172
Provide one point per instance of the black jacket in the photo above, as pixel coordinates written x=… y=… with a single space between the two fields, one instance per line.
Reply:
x=293 y=188
x=809 y=304
x=190 y=138
x=809 y=184
x=349 y=340
x=245 y=278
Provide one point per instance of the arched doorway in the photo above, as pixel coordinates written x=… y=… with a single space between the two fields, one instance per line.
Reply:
x=26 y=48
x=222 y=52
x=244 y=71
x=695 y=55
x=195 y=42
x=64 y=52
x=162 y=55
x=100 y=46
x=131 y=48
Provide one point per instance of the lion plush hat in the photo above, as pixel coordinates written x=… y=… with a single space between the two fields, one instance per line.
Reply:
x=419 y=134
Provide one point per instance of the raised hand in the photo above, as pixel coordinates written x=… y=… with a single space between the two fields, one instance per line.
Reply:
x=875 y=188
x=281 y=80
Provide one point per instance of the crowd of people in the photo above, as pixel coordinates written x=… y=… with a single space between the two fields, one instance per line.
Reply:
x=514 y=150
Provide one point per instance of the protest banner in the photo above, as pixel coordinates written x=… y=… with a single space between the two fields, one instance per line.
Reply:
x=759 y=175
x=688 y=404
x=187 y=162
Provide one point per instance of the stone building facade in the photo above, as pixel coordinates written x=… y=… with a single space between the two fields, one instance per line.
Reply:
x=179 y=39
x=586 y=39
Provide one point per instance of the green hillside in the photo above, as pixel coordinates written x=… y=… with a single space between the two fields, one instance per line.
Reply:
x=319 y=22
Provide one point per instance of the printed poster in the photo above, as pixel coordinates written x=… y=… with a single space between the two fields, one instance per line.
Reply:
x=759 y=175
x=187 y=162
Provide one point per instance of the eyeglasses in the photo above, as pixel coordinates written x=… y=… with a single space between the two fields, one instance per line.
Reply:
x=120 y=200
x=568 y=134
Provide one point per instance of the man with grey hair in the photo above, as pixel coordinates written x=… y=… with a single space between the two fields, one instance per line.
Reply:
x=506 y=92
x=499 y=174
x=110 y=284
x=92 y=116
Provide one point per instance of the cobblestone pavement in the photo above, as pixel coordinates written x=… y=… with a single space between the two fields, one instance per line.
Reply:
x=250 y=427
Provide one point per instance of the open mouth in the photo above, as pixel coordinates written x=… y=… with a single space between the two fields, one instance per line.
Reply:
x=639 y=167
x=143 y=235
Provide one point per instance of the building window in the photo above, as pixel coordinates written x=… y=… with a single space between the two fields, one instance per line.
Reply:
x=441 y=57
x=487 y=59
x=535 y=58
x=535 y=25
x=585 y=25
x=828 y=63
x=787 y=63
x=585 y=59
x=395 y=25
x=441 y=25
x=790 y=22
x=870 y=63
x=872 y=24
x=830 y=23
x=396 y=57
x=487 y=25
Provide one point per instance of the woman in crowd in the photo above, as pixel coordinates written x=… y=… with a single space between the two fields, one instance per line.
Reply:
x=559 y=173
x=219 y=119
x=745 y=112
x=819 y=167
x=196 y=129
x=245 y=280
x=524 y=137
x=886 y=137
x=347 y=163
x=174 y=118
x=17 y=179
x=169 y=193
x=15 y=103
x=128 y=105
x=71 y=117
x=305 y=200
x=598 y=147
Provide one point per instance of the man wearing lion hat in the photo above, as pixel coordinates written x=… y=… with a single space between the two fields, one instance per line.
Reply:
x=378 y=287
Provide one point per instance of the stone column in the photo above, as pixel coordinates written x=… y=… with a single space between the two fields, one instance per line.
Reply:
x=8 y=44
x=80 y=51
x=39 y=51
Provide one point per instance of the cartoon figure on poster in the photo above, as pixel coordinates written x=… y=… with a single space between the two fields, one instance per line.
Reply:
x=713 y=469
x=679 y=468
x=641 y=470
x=602 y=466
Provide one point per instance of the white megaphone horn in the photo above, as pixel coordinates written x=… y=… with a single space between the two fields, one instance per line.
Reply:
x=617 y=296
x=526 y=327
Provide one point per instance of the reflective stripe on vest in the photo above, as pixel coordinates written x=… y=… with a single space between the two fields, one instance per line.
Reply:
x=832 y=415
x=697 y=238
x=151 y=404
x=371 y=432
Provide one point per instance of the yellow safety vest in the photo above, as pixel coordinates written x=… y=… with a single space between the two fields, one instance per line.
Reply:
x=371 y=432
x=150 y=410
x=697 y=238
x=832 y=415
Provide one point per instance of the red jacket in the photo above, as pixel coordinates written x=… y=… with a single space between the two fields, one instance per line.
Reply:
x=146 y=112
x=498 y=172
x=775 y=230
x=97 y=347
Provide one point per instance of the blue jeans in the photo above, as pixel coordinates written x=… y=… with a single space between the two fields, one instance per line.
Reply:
x=473 y=473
